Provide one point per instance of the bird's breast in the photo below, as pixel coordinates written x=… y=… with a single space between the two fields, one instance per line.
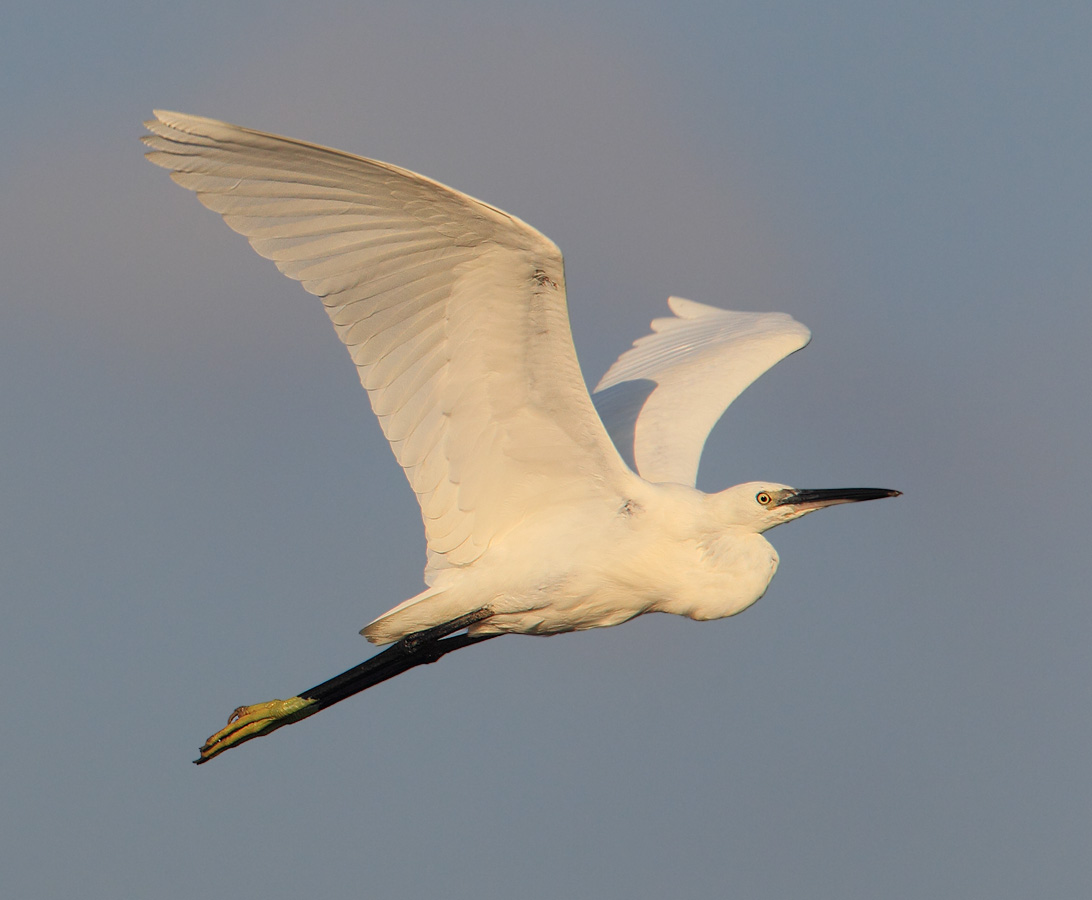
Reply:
x=726 y=573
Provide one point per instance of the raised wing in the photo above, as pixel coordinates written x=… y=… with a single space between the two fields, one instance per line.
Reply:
x=662 y=397
x=453 y=311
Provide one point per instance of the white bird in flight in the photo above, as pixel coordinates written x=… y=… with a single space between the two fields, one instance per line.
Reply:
x=543 y=511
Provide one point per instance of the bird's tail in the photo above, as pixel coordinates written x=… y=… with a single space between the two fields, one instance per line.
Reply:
x=427 y=610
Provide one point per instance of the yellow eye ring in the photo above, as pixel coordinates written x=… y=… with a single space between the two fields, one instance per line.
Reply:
x=763 y=498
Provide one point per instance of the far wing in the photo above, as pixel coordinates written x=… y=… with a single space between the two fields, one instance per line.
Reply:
x=453 y=311
x=662 y=397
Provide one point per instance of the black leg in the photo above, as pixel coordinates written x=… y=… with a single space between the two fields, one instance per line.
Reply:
x=383 y=666
x=419 y=648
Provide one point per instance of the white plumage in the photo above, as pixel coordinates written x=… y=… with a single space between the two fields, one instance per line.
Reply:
x=454 y=313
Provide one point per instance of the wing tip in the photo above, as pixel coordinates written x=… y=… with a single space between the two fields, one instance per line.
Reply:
x=690 y=309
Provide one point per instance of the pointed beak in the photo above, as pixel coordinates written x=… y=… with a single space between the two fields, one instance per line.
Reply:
x=809 y=500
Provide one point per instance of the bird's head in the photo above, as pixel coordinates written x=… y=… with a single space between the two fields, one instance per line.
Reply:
x=758 y=506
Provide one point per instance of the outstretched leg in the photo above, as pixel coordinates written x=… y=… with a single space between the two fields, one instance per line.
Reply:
x=419 y=648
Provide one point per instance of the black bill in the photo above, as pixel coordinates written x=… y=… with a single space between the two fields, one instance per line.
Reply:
x=831 y=496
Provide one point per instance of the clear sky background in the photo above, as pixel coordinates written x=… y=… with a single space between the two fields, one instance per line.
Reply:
x=197 y=509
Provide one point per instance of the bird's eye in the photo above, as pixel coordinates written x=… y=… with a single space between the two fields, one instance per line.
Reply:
x=763 y=498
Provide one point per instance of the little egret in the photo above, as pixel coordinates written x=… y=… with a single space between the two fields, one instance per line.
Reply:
x=536 y=519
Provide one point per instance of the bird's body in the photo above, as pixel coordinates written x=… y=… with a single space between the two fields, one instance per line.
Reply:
x=544 y=511
x=601 y=561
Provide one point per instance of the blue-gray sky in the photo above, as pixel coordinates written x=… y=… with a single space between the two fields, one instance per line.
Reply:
x=198 y=509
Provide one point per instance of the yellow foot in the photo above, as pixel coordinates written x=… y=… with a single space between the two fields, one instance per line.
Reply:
x=249 y=722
